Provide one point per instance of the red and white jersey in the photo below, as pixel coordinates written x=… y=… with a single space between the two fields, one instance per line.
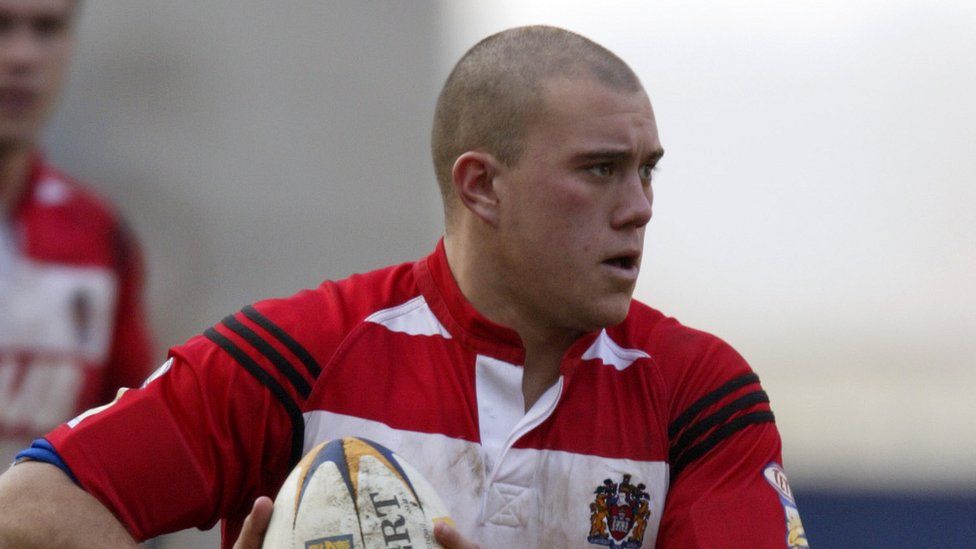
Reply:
x=654 y=434
x=71 y=321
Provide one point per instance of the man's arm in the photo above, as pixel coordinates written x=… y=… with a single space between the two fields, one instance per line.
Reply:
x=727 y=487
x=41 y=507
x=724 y=498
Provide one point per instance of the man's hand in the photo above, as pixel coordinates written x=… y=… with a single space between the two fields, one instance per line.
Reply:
x=255 y=525
x=450 y=538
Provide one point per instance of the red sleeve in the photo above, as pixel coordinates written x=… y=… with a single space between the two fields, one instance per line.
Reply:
x=727 y=487
x=217 y=426
x=131 y=359
x=196 y=444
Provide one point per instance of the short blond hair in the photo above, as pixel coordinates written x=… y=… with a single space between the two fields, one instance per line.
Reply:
x=486 y=99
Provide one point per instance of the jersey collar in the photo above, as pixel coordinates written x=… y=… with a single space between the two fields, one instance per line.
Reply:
x=464 y=322
x=459 y=316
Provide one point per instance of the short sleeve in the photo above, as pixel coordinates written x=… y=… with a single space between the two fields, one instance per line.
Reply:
x=726 y=483
x=196 y=444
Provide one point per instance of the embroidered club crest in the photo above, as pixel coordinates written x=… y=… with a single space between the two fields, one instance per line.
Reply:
x=619 y=514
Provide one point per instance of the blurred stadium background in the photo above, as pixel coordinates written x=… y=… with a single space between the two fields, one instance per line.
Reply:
x=815 y=207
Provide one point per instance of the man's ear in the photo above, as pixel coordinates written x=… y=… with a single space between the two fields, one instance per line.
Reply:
x=474 y=180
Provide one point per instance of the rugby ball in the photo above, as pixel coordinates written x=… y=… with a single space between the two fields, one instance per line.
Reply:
x=351 y=493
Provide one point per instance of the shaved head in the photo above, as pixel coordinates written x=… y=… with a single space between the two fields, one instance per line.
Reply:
x=497 y=85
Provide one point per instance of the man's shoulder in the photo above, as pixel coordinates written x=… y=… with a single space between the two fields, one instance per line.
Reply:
x=710 y=395
x=66 y=222
x=312 y=323
x=346 y=301
x=652 y=329
x=55 y=189
x=691 y=362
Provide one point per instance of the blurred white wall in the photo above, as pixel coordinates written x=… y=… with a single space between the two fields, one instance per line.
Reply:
x=816 y=208
x=256 y=147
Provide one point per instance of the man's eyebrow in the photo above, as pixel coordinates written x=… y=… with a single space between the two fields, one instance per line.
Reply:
x=616 y=154
x=655 y=156
x=602 y=154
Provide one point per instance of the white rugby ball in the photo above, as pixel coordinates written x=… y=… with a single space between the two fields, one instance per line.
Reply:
x=352 y=493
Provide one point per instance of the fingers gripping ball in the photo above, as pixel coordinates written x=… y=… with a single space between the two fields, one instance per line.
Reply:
x=353 y=493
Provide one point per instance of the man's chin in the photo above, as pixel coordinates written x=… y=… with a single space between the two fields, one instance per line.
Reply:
x=12 y=140
x=607 y=316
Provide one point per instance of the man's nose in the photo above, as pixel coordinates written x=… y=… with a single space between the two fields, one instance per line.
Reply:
x=636 y=201
x=19 y=49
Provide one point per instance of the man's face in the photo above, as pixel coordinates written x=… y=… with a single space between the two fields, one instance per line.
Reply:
x=574 y=207
x=35 y=45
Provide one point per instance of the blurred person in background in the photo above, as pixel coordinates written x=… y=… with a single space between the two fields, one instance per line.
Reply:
x=72 y=328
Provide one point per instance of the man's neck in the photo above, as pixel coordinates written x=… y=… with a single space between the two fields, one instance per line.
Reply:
x=14 y=166
x=472 y=267
x=544 y=347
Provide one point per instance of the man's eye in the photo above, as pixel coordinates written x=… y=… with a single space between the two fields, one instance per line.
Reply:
x=646 y=172
x=47 y=27
x=601 y=170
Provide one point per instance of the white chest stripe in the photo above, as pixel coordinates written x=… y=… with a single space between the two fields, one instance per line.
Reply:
x=413 y=317
x=538 y=498
x=609 y=352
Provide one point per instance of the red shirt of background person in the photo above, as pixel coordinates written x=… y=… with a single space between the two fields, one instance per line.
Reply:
x=72 y=328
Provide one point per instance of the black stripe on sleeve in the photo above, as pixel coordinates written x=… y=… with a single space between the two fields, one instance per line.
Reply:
x=294 y=413
x=718 y=435
x=700 y=428
x=711 y=398
x=280 y=362
x=296 y=349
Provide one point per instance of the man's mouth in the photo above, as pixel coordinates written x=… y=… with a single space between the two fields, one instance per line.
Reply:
x=626 y=262
x=16 y=98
